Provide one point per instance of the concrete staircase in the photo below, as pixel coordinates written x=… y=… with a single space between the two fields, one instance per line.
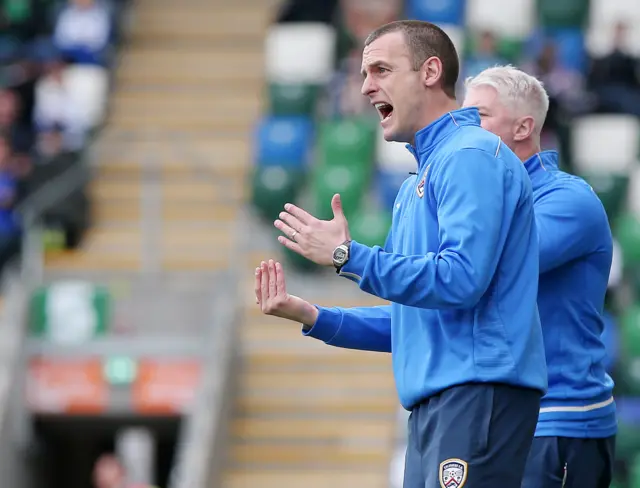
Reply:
x=172 y=167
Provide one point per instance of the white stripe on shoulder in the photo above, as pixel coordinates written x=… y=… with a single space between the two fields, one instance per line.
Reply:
x=498 y=148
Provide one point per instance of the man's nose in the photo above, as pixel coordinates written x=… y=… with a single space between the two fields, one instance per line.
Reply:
x=368 y=87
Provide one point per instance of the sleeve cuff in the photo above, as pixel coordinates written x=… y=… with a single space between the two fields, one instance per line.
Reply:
x=327 y=324
x=358 y=256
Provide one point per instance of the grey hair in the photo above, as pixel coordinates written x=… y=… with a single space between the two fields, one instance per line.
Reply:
x=520 y=92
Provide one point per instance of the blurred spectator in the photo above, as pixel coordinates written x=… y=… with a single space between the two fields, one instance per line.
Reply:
x=9 y=225
x=359 y=18
x=56 y=115
x=83 y=32
x=615 y=78
x=110 y=473
x=307 y=11
x=11 y=124
x=485 y=56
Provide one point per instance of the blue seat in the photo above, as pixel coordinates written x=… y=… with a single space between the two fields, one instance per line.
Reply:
x=570 y=45
x=437 y=11
x=283 y=141
x=387 y=183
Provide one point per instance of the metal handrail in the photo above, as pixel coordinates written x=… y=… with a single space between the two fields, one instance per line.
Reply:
x=203 y=431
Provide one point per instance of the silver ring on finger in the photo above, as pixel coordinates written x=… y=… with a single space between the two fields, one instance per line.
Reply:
x=293 y=235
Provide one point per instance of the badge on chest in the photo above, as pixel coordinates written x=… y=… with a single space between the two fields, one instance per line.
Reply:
x=420 y=187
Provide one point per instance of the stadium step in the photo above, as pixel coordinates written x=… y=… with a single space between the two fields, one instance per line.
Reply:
x=171 y=162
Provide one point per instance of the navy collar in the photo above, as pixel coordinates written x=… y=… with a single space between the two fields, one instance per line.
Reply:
x=429 y=136
x=538 y=165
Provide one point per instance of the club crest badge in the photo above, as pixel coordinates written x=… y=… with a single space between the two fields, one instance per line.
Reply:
x=453 y=473
x=420 y=187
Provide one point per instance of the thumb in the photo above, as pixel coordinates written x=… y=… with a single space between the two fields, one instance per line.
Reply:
x=336 y=206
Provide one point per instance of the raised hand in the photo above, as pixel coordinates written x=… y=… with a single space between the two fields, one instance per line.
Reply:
x=273 y=299
x=310 y=237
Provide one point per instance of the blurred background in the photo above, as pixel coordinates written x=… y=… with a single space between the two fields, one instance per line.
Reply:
x=145 y=148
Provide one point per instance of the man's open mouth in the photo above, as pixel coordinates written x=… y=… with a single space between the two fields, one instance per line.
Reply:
x=384 y=109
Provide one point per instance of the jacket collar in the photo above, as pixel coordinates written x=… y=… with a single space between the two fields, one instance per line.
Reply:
x=429 y=136
x=539 y=164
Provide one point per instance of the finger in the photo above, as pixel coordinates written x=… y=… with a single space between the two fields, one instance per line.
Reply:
x=336 y=207
x=284 y=228
x=291 y=221
x=281 y=287
x=293 y=246
x=264 y=285
x=298 y=213
x=272 y=279
x=258 y=285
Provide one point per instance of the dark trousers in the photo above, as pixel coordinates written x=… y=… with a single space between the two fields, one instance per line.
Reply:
x=564 y=462
x=474 y=436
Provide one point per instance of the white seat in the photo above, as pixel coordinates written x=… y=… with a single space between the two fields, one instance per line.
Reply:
x=599 y=39
x=393 y=157
x=505 y=18
x=633 y=192
x=456 y=34
x=606 y=143
x=617 y=265
x=89 y=89
x=300 y=53
x=607 y=12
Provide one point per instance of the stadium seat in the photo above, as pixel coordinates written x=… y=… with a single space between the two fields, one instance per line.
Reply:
x=607 y=12
x=274 y=186
x=603 y=16
x=633 y=193
x=565 y=13
x=505 y=18
x=606 y=143
x=630 y=334
x=351 y=181
x=599 y=39
x=89 y=88
x=569 y=42
x=628 y=438
x=300 y=53
x=605 y=148
x=370 y=225
x=284 y=141
x=457 y=35
x=437 y=11
x=293 y=98
x=387 y=185
x=69 y=312
x=394 y=156
x=611 y=188
x=348 y=142
x=634 y=472
x=627 y=233
x=617 y=266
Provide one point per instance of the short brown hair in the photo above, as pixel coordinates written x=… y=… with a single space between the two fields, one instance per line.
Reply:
x=425 y=40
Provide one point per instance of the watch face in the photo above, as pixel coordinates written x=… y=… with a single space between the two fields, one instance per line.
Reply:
x=340 y=255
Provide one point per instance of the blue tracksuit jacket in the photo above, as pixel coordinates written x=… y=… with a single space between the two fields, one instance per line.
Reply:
x=575 y=258
x=460 y=267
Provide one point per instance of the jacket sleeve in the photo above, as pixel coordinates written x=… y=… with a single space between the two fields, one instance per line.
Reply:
x=364 y=328
x=468 y=190
x=569 y=223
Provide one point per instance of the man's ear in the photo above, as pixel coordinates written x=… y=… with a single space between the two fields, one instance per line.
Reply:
x=524 y=127
x=431 y=71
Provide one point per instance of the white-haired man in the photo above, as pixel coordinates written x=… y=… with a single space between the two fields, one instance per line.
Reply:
x=575 y=435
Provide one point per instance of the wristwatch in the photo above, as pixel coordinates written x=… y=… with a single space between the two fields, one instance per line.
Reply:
x=341 y=255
